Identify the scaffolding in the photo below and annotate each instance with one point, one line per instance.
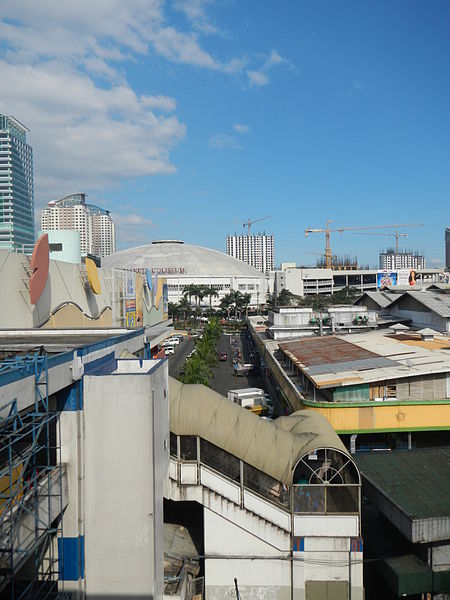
(31, 484)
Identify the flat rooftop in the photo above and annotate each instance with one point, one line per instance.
(55, 341)
(412, 489)
(358, 358)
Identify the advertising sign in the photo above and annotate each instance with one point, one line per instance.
(165, 298)
(386, 279)
(139, 299)
(130, 285)
(130, 313)
(407, 277)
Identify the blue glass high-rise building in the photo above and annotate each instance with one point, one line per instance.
(16, 187)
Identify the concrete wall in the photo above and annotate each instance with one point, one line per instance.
(422, 319)
(126, 464)
(65, 286)
(263, 578)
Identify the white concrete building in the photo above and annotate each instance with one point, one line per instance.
(183, 264)
(97, 230)
(255, 250)
(309, 281)
(279, 502)
(391, 260)
(287, 322)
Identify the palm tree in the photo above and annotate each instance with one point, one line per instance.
(184, 307)
(173, 309)
(246, 299)
(226, 303)
(212, 293)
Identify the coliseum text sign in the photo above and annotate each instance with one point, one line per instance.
(168, 270)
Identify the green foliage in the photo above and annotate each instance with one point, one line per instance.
(199, 366)
(197, 371)
(286, 298)
(319, 301)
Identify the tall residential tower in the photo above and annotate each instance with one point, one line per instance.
(97, 230)
(255, 250)
(16, 187)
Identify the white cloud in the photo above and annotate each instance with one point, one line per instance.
(241, 128)
(222, 141)
(195, 12)
(64, 64)
(134, 220)
(257, 78)
(85, 137)
(260, 77)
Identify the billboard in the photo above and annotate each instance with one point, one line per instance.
(386, 279)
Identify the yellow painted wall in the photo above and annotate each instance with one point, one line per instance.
(69, 316)
(378, 417)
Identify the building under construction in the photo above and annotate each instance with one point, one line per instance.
(339, 263)
(392, 259)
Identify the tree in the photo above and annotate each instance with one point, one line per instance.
(184, 307)
(246, 299)
(173, 309)
(197, 371)
(199, 366)
(212, 293)
(285, 298)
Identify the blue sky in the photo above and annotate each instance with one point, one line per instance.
(186, 118)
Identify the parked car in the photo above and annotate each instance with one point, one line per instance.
(173, 340)
(169, 350)
(223, 356)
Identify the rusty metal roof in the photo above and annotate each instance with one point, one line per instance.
(326, 350)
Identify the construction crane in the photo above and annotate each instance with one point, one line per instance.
(327, 231)
(249, 223)
(396, 235)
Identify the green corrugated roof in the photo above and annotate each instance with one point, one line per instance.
(417, 481)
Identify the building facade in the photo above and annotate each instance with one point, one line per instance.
(16, 187)
(390, 260)
(255, 250)
(185, 264)
(97, 230)
(311, 281)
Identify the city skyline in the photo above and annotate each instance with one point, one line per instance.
(224, 113)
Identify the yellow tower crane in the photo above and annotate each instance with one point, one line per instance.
(328, 231)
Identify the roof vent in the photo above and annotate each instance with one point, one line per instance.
(398, 327)
(427, 334)
(167, 242)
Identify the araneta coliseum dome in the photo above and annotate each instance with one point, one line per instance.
(183, 264)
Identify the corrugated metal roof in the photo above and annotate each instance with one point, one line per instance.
(272, 447)
(383, 299)
(437, 302)
(326, 350)
(330, 361)
(418, 480)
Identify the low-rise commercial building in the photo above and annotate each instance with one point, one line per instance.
(310, 281)
(286, 322)
(372, 382)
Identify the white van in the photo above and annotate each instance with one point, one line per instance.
(169, 350)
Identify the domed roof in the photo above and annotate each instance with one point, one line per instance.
(176, 258)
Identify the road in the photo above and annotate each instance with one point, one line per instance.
(224, 378)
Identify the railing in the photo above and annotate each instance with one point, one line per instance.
(334, 498)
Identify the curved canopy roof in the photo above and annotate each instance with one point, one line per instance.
(272, 447)
(181, 260)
